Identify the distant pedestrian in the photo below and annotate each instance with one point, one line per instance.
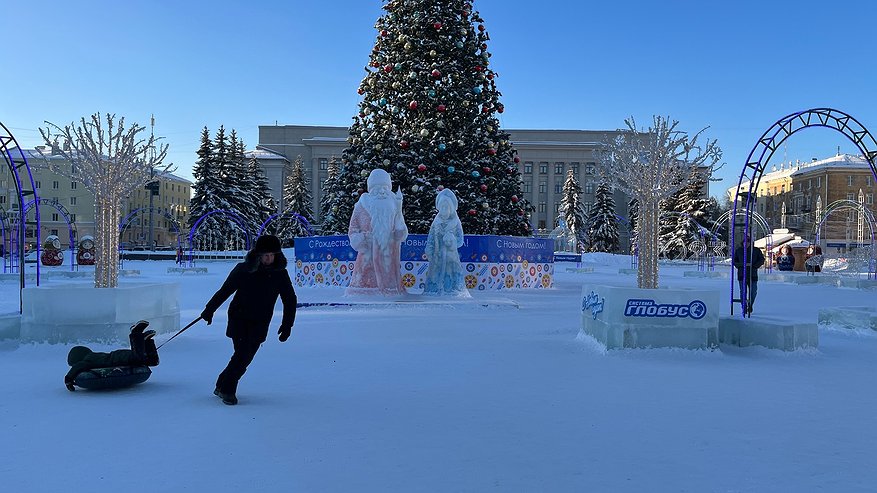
(785, 261)
(256, 283)
(180, 255)
(813, 259)
(747, 275)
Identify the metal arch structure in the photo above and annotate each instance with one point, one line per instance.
(840, 205)
(233, 216)
(71, 225)
(280, 215)
(16, 163)
(126, 221)
(770, 141)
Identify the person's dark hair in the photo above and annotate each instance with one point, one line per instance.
(267, 244)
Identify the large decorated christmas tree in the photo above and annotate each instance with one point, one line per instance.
(428, 117)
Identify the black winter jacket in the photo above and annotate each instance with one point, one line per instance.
(755, 258)
(81, 359)
(255, 288)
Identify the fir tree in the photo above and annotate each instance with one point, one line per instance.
(602, 223)
(296, 199)
(261, 192)
(572, 210)
(694, 209)
(428, 116)
(239, 185)
(328, 207)
(208, 197)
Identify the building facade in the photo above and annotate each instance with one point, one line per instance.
(797, 195)
(545, 156)
(63, 200)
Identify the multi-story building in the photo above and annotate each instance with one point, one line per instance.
(545, 157)
(63, 200)
(805, 190)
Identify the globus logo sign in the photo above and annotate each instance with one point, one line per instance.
(649, 308)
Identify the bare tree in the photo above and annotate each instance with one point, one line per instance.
(111, 161)
(650, 166)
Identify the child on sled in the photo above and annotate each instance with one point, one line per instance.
(142, 353)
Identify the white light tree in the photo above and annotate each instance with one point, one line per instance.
(650, 166)
(111, 161)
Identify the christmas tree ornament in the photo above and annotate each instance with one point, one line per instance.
(483, 187)
(437, 25)
(515, 199)
(382, 102)
(516, 160)
(500, 108)
(421, 167)
(364, 172)
(475, 174)
(440, 124)
(451, 169)
(424, 133)
(485, 205)
(386, 162)
(431, 93)
(476, 89)
(485, 109)
(436, 73)
(408, 46)
(414, 188)
(412, 105)
(398, 66)
(441, 108)
(472, 212)
(412, 75)
(397, 85)
(360, 91)
(388, 68)
(440, 188)
(458, 44)
(384, 33)
(403, 144)
(378, 147)
(441, 147)
(491, 152)
(478, 68)
(481, 27)
(433, 53)
(486, 169)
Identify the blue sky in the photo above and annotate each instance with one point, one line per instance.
(734, 66)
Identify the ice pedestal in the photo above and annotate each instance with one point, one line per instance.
(711, 274)
(625, 317)
(70, 313)
(774, 333)
(849, 317)
(10, 326)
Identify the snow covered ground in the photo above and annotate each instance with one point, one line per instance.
(456, 397)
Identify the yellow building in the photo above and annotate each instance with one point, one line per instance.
(63, 200)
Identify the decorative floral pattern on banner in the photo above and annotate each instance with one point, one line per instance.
(490, 262)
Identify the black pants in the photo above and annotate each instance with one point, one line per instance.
(145, 352)
(245, 347)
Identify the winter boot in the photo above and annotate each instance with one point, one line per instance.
(228, 399)
(139, 326)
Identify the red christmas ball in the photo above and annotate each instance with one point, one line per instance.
(388, 68)
(361, 191)
(483, 188)
(490, 76)
(515, 198)
(481, 27)
(384, 33)
(436, 74)
(421, 167)
(517, 160)
(472, 212)
(437, 25)
(500, 108)
(521, 213)
(360, 91)
(403, 144)
(483, 46)
(486, 169)
(361, 114)
(485, 109)
(441, 107)
(478, 68)
(491, 151)
(412, 105)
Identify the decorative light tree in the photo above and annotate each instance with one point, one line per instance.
(652, 166)
(111, 161)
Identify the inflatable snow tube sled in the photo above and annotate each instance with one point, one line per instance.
(114, 377)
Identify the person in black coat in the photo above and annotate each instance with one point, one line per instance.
(748, 277)
(142, 352)
(256, 283)
(786, 261)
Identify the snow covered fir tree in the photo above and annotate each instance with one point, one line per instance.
(572, 211)
(328, 202)
(225, 180)
(428, 117)
(296, 204)
(602, 222)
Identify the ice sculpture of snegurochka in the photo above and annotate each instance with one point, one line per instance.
(445, 273)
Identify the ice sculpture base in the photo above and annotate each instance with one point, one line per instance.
(626, 317)
(70, 313)
(849, 317)
(773, 333)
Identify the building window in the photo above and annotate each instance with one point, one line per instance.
(542, 186)
(542, 224)
(324, 163)
(55, 185)
(54, 216)
(869, 198)
(543, 206)
(72, 185)
(589, 168)
(558, 187)
(588, 206)
(589, 187)
(543, 168)
(850, 197)
(38, 184)
(73, 218)
(818, 181)
(72, 200)
(528, 167)
(800, 187)
(850, 180)
(2, 199)
(869, 180)
(528, 187)
(54, 232)
(558, 168)
(809, 184)
(556, 208)
(575, 168)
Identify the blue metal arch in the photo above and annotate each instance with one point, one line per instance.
(235, 217)
(772, 139)
(15, 160)
(71, 225)
(126, 221)
(304, 222)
